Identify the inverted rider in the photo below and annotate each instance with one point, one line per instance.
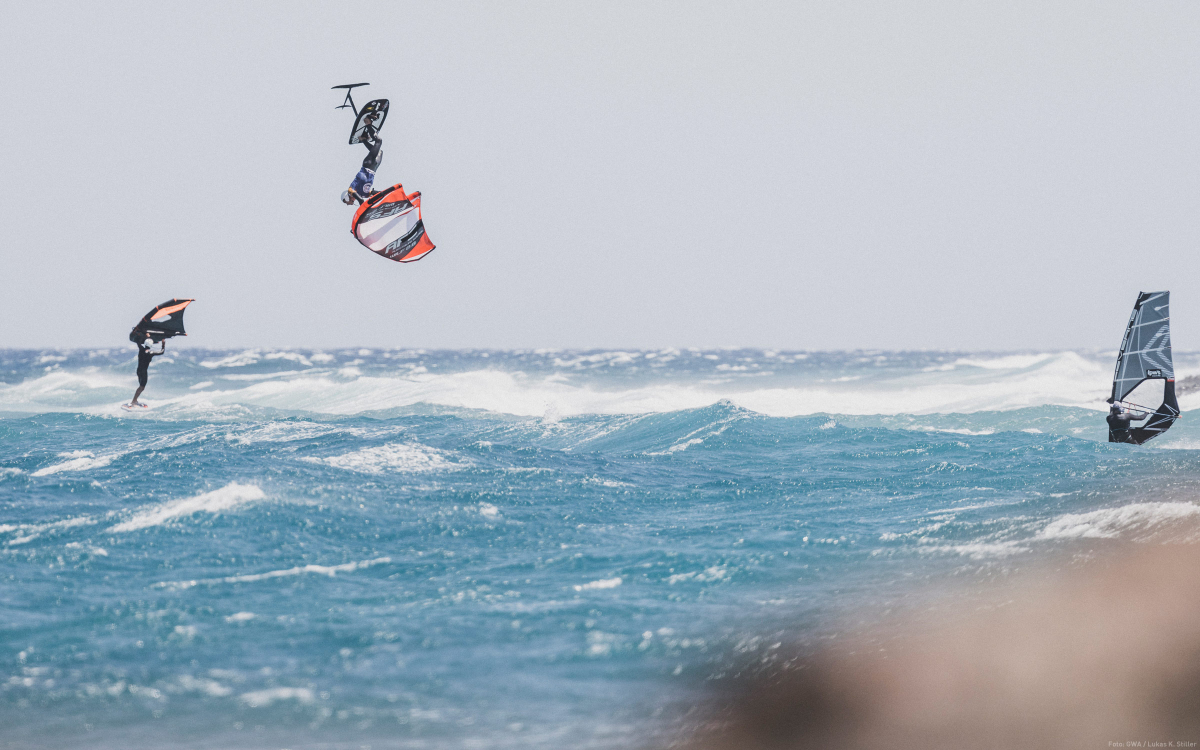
(145, 354)
(360, 188)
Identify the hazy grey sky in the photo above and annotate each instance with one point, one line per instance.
(979, 175)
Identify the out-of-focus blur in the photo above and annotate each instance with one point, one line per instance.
(1094, 655)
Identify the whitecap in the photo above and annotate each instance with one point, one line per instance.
(203, 685)
(79, 461)
(325, 570)
(970, 384)
(687, 441)
(291, 357)
(487, 510)
(30, 531)
(392, 457)
(279, 432)
(271, 695)
(714, 573)
(977, 550)
(1110, 522)
(248, 357)
(604, 583)
(229, 496)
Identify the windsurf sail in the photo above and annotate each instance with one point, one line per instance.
(389, 224)
(1144, 378)
(163, 322)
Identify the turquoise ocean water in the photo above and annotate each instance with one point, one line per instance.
(540, 549)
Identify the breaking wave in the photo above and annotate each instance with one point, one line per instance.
(562, 384)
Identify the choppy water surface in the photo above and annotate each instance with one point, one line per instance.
(509, 549)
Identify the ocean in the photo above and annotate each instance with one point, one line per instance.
(513, 549)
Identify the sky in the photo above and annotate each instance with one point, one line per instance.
(796, 175)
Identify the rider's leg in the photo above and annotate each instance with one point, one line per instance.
(361, 186)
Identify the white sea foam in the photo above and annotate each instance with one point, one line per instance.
(280, 432)
(977, 550)
(969, 384)
(291, 357)
(267, 697)
(325, 570)
(393, 457)
(99, 551)
(715, 573)
(79, 461)
(1003, 362)
(487, 510)
(29, 531)
(604, 583)
(1002, 383)
(203, 685)
(1064, 379)
(248, 357)
(613, 483)
(953, 430)
(60, 389)
(690, 439)
(229, 496)
(1111, 522)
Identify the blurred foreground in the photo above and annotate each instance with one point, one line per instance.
(1102, 655)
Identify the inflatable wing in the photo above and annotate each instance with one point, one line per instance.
(389, 224)
(163, 322)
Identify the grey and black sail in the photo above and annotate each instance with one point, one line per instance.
(1144, 378)
(163, 322)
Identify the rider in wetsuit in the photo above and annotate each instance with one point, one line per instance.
(360, 187)
(143, 368)
(1119, 420)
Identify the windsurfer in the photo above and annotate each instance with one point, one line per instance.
(145, 354)
(1118, 420)
(360, 187)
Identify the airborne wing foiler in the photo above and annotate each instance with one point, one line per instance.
(1144, 377)
(163, 322)
(389, 224)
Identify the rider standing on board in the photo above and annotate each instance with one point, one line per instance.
(143, 368)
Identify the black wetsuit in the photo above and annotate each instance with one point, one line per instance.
(144, 357)
(1118, 429)
(374, 152)
(364, 181)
